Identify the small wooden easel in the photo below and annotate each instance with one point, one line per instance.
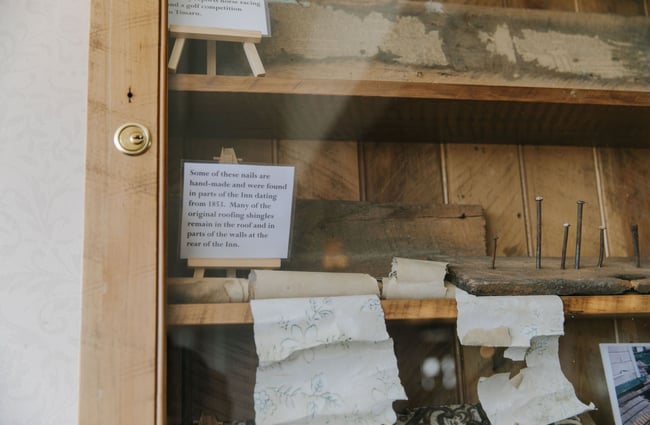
(212, 35)
(231, 265)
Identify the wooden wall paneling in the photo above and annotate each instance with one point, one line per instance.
(563, 175)
(414, 344)
(411, 173)
(489, 175)
(250, 151)
(626, 197)
(582, 364)
(402, 172)
(324, 169)
(218, 369)
(634, 329)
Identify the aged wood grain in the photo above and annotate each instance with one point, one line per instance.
(562, 176)
(324, 170)
(625, 176)
(518, 276)
(364, 237)
(489, 176)
(403, 172)
(121, 353)
(538, 46)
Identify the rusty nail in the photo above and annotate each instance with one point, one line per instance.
(635, 240)
(494, 251)
(601, 251)
(578, 233)
(564, 244)
(538, 253)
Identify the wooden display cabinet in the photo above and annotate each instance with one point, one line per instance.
(359, 125)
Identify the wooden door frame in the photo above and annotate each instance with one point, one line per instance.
(122, 369)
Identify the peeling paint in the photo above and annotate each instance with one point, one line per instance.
(433, 7)
(340, 34)
(500, 42)
(571, 53)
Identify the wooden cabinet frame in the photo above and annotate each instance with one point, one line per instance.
(122, 343)
(123, 318)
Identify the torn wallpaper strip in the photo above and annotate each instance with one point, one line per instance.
(530, 326)
(324, 361)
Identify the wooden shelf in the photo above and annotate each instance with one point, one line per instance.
(437, 309)
(297, 108)
(404, 89)
(355, 81)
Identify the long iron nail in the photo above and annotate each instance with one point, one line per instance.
(635, 240)
(538, 253)
(578, 233)
(494, 251)
(564, 243)
(601, 251)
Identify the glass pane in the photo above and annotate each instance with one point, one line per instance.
(416, 130)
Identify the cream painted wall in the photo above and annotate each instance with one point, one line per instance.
(43, 73)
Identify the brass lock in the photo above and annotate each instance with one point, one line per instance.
(132, 139)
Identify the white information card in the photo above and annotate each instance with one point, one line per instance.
(228, 14)
(236, 211)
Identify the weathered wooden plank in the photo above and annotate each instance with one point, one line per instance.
(489, 176)
(562, 176)
(626, 193)
(324, 170)
(518, 276)
(364, 237)
(497, 44)
(403, 172)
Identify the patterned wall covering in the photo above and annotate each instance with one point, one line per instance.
(43, 73)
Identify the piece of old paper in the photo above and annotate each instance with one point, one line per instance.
(323, 361)
(266, 284)
(416, 279)
(504, 321)
(530, 326)
(540, 394)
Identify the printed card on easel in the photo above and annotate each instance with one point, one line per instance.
(251, 15)
(236, 211)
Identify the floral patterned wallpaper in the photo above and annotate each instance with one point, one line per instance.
(43, 73)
